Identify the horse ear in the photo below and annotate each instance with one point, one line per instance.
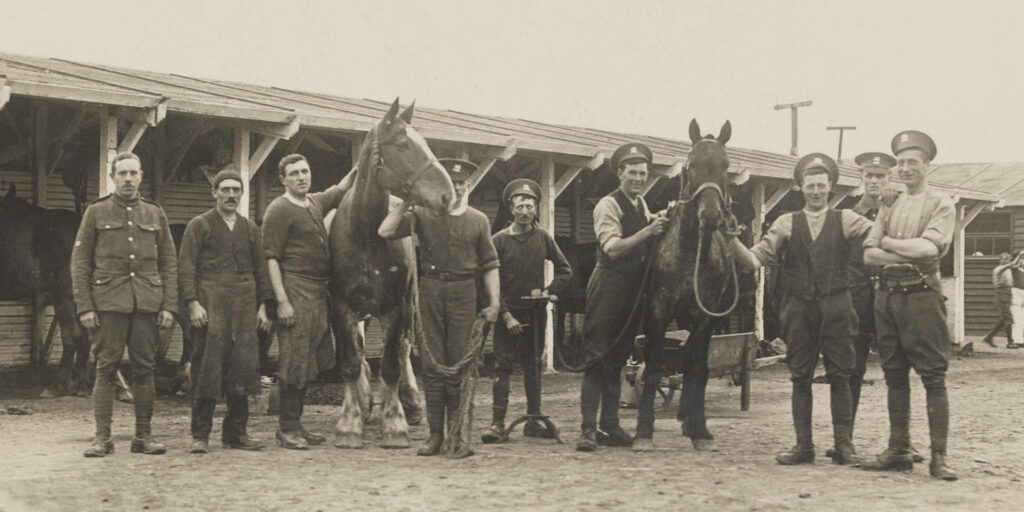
(392, 112)
(725, 134)
(694, 131)
(407, 113)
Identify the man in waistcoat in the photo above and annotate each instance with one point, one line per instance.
(813, 248)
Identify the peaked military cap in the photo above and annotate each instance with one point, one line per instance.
(458, 169)
(816, 161)
(914, 139)
(875, 163)
(521, 187)
(633, 151)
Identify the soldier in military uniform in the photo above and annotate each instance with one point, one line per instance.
(814, 247)
(908, 240)
(224, 285)
(522, 248)
(454, 250)
(125, 278)
(625, 229)
(298, 262)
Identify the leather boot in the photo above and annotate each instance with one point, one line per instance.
(613, 435)
(843, 453)
(803, 403)
(244, 442)
(495, 434)
(499, 396)
(897, 456)
(311, 438)
(292, 440)
(938, 468)
(534, 428)
(146, 444)
(587, 441)
(432, 446)
(100, 447)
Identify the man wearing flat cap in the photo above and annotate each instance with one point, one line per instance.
(813, 247)
(455, 249)
(908, 239)
(224, 286)
(625, 230)
(519, 334)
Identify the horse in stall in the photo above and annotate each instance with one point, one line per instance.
(35, 262)
(373, 277)
(691, 279)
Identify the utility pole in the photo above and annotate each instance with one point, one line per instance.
(839, 156)
(792, 108)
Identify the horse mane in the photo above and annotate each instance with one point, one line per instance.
(369, 198)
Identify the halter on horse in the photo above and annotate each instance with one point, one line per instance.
(371, 276)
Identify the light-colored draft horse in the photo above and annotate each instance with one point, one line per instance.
(373, 277)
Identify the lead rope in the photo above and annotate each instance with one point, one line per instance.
(696, 284)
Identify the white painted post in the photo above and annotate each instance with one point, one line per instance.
(958, 274)
(108, 150)
(240, 157)
(547, 221)
(755, 228)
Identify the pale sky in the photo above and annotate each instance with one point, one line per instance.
(953, 69)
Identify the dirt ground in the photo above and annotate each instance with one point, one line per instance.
(43, 467)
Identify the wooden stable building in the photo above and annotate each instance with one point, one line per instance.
(61, 120)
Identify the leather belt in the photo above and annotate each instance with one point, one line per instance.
(448, 276)
(896, 286)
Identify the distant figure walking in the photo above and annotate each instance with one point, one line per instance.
(1002, 280)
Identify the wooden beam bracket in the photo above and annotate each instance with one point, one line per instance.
(480, 173)
(776, 198)
(970, 215)
(279, 130)
(260, 155)
(565, 180)
(149, 116)
(5, 93)
(132, 137)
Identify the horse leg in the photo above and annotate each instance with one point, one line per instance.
(394, 430)
(348, 431)
(65, 381)
(74, 339)
(408, 390)
(183, 375)
(654, 369)
(695, 380)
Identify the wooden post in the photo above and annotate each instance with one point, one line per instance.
(156, 177)
(958, 274)
(547, 221)
(755, 228)
(108, 150)
(42, 114)
(793, 120)
(240, 158)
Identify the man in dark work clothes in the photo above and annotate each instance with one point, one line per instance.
(624, 228)
(224, 285)
(298, 262)
(813, 247)
(519, 333)
(454, 249)
(909, 239)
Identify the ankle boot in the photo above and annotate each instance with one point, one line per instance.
(802, 403)
(432, 446)
(897, 456)
(587, 441)
(938, 468)
(844, 452)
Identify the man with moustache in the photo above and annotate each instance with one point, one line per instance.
(522, 248)
(625, 229)
(813, 247)
(455, 249)
(224, 285)
(908, 240)
(124, 274)
(298, 262)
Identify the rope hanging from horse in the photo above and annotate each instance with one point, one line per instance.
(729, 230)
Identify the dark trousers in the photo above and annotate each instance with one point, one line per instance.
(863, 298)
(235, 420)
(138, 332)
(292, 402)
(601, 389)
(448, 309)
(1003, 302)
(525, 347)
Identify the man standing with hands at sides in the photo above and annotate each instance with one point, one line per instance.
(298, 263)
(522, 248)
(454, 249)
(225, 287)
(813, 247)
(908, 240)
(625, 231)
(125, 279)
(1002, 282)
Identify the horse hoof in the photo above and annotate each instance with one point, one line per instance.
(48, 393)
(414, 416)
(704, 445)
(395, 441)
(348, 441)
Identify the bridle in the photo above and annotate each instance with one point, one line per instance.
(381, 167)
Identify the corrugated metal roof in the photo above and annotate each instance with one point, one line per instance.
(76, 81)
(1005, 179)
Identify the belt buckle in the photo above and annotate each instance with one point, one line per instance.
(444, 276)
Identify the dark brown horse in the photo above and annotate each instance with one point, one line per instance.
(372, 277)
(691, 280)
(35, 259)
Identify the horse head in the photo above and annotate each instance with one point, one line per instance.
(411, 171)
(706, 176)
